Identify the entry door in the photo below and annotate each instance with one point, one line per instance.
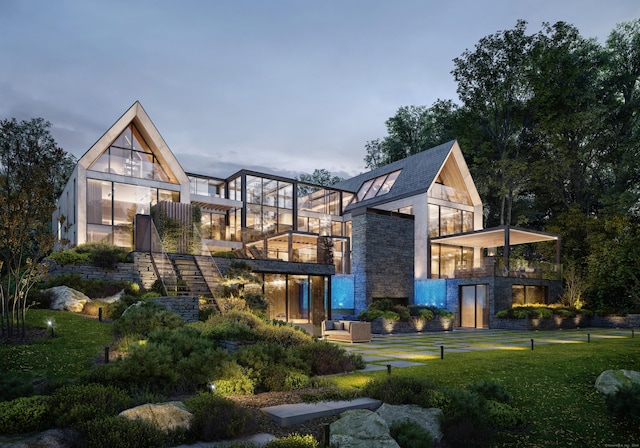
(474, 306)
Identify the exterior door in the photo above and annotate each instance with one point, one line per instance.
(474, 306)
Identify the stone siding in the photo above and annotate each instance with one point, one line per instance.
(383, 252)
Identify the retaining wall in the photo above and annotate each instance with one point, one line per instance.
(557, 322)
(385, 326)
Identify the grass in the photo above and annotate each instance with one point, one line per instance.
(553, 386)
(78, 340)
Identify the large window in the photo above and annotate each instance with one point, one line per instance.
(269, 207)
(378, 186)
(129, 155)
(446, 260)
(528, 295)
(111, 207)
(448, 221)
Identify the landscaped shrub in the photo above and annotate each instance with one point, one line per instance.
(294, 441)
(205, 312)
(491, 390)
(402, 312)
(73, 405)
(504, 416)
(25, 414)
(382, 305)
(103, 255)
(146, 367)
(325, 358)
(625, 402)
(404, 390)
(216, 417)
(426, 314)
(541, 312)
(65, 257)
(234, 379)
(281, 378)
(228, 330)
(465, 420)
(14, 385)
(146, 317)
(112, 431)
(409, 434)
(386, 309)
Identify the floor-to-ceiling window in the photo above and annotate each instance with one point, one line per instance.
(295, 298)
(111, 207)
(474, 306)
(446, 260)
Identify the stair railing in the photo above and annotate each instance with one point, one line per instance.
(162, 264)
(206, 253)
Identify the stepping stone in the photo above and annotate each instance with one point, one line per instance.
(291, 414)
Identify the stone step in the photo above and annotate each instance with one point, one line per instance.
(292, 414)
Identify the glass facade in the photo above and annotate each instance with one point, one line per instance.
(111, 207)
(474, 306)
(129, 155)
(269, 206)
(446, 260)
(445, 221)
(295, 298)
(528, 295)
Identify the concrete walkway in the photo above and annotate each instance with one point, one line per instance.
(417, 349)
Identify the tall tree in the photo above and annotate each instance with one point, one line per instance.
(412, 130)
(621, 82)
(568, 110)
(494, 90)
(30, 164)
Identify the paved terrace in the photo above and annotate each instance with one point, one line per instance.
(415, 349)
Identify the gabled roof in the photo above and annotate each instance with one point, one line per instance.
(419, 172)
(136, 115)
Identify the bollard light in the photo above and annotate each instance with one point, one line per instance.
(531, 344)
(442, 352)
(212, 387)
(50, 325)
(588, 337)
(388, 369)
(106, 354)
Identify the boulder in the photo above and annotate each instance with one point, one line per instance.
(52, 438)
(428, 419)
(111, 299)
(164, 416)
(65, 298)
(361, 428)
(610, 380)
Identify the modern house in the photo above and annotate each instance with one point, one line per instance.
(410, 231)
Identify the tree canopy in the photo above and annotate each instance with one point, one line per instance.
(33, 171)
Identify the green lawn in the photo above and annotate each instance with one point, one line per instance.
(552, 385)
(78, 340)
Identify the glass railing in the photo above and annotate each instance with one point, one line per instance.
(517, 269)
(445, 193)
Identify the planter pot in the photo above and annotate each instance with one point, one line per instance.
(413, 325)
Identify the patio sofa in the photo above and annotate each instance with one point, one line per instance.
(346, 330)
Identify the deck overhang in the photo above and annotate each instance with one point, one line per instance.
(503, 236)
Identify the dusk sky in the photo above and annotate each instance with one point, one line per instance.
(283, 86)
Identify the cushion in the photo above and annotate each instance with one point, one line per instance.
(328, 325)
(347, 325)
(338, 326)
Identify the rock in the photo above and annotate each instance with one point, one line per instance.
(428, 419)
(361, 428)
(111, 299)
(65, 298)
(164, 416)
(52, 438)
(610, 380)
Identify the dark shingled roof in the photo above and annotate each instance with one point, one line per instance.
(418, 173)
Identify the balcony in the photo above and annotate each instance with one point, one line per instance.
(518, 268)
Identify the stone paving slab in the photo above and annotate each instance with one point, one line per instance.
(291, 414)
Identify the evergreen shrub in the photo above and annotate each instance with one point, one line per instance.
(75, 404)
(409, 434)
(217, 418)
(25, 414)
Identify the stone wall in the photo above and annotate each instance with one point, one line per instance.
(385, 326)
(186, 307)
(140, 271)
(558, 322)
(383, 252)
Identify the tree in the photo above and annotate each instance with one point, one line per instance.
(320, 177)
(30, 164)
(493, 87)
(411, 130)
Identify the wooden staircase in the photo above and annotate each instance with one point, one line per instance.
(190, 279)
